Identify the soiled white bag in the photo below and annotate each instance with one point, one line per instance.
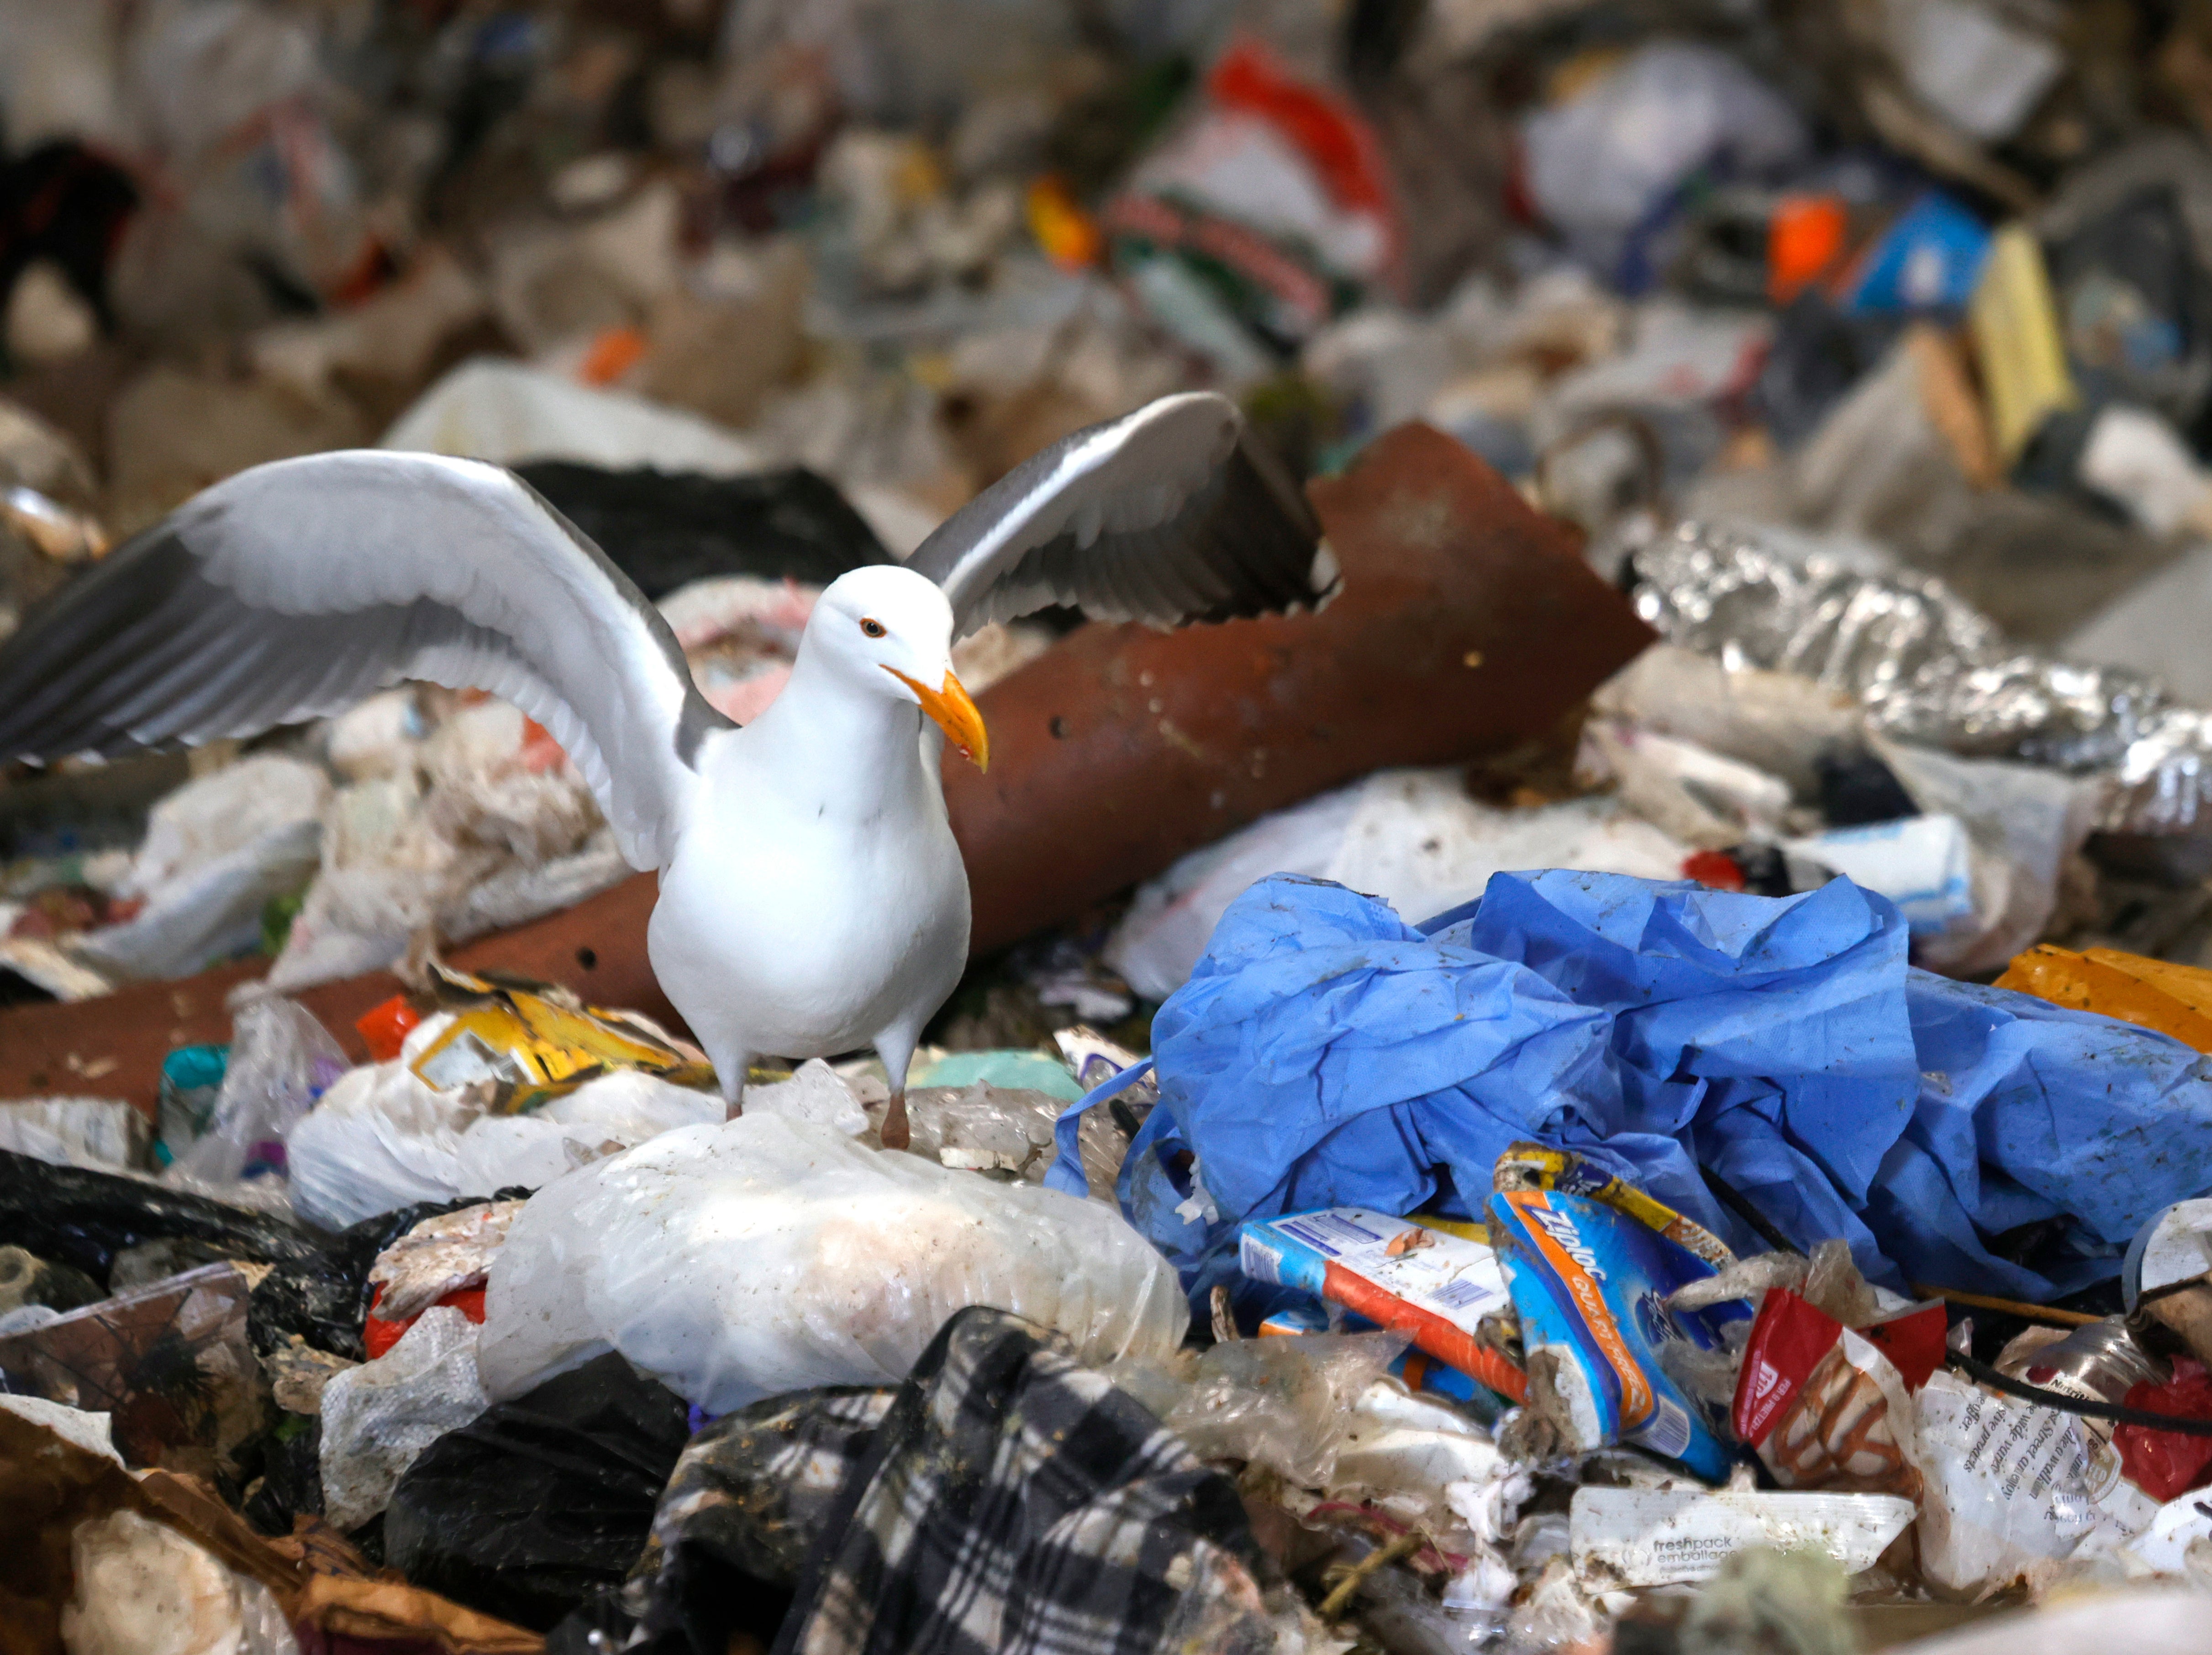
(144, 1589)
(768, 1254)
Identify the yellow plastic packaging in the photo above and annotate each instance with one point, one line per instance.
(530, 1042)
(2016, 341)
(2151, 994)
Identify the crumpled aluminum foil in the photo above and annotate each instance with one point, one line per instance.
(1929, 668)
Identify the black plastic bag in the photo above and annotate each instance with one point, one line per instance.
(1820, 353)
(745, 1504)
(291, 1482)
(664, 529)
(543, 1501)
(753, 1490)
(82, 1219)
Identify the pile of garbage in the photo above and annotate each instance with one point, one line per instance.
(1607, 1257)
(1634, 1081)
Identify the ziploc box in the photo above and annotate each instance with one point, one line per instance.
(1590, 1284)
(1436, 1286)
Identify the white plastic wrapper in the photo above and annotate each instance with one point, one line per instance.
(505, 412)
(1698, 796)
(1776, 722)
(2022, 822)
(101, 1133)
(1421, 1459)
(215, 852)
(1921, 863)
(766, 1255)
(380, 1138)
(2007, 1492)
(1655, 1536)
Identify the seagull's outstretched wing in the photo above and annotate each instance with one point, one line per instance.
(295, 588)
(1170, 514)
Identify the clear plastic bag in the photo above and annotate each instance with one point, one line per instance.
(280, 1061)
(617, 1111)
(767, 1255)
(486, 823)
(172, 1363)
(996, 1130)
(1287, 1403)
(380, 1138)
(1596, 163)
(215, 852)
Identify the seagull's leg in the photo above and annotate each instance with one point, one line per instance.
(730, 1068)
(896, 1047)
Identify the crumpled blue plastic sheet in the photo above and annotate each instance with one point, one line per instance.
(1325, 1052)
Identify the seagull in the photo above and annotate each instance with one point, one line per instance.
(813, 899)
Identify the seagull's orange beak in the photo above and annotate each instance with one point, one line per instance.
(955, 714)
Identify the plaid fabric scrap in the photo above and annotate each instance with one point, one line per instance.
(1012, 1503)
(1002, 1501)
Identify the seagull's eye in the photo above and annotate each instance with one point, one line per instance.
(873, 629)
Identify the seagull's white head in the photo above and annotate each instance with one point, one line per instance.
(889, 631)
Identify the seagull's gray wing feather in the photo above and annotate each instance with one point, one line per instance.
(294, 589)
(1170, 514)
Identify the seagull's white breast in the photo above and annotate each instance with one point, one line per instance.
(810, 906)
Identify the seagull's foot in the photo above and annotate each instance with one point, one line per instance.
(736, 1108)
(895, 1134)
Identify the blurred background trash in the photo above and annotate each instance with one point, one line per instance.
(1767, 452)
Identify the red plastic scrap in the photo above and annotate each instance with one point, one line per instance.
(1715, 869)
(2167, 1464)
(385, 1027)
(1912, 1339)
(1805, 241)
(1327, 129)
(379, 1335)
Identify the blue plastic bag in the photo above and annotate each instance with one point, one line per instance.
(1325, 1053)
